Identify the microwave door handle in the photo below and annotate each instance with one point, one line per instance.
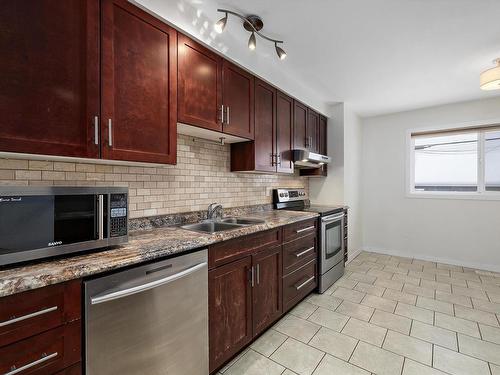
(100, 218)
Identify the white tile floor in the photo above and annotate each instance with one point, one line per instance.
(387, 315)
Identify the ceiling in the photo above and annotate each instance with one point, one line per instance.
(379, 56)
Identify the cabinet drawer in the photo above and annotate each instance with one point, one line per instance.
(300, 229)
(73, 370)
(29, 313)
(299, 252)
(298, 284)
(228, 251)
(45, 353)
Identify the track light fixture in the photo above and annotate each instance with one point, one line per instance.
(253, 24)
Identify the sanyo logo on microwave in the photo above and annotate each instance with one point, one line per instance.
(55, 243)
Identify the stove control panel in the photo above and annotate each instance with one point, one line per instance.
(289, 195)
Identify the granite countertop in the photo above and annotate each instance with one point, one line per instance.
(142, 246)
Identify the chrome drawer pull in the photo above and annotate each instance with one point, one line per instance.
(305, 283)
(305, 229)
(24, 317)
(44, 358)
(298, 255)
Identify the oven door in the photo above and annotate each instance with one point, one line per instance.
(332, 241)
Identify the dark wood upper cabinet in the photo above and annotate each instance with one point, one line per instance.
(238, 101)
(267, 295)
(299, 126)
(199, 85)
(138, 85)
(312, 130)
(284, 133)
(265, 127)
(49, 77)
(271, 149)
(230, 310)
(323, 135)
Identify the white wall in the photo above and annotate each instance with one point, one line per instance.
(342, 185)
(465, 232)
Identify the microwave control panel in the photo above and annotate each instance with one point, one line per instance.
(118, 215)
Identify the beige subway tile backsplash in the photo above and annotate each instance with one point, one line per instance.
(200, 177)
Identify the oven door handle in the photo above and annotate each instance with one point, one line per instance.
(330, 219)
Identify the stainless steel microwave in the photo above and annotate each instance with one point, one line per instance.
(41, 222)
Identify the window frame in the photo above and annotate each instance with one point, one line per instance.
(481, 194)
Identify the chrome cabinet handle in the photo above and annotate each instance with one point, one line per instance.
(27, 316)
(227, 115)
(17, 370)
(110, 132)
(100, 209)
(272, 159)
(222, 113)
(252, 276)
(278, 159)
(96, 130)
(258, 274)
(298, 287)
(298, 255)
(144, 287)
(305, 229)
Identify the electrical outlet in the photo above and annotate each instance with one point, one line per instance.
(269, 191)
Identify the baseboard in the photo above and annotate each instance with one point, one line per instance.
(479, 266)
(352, 254)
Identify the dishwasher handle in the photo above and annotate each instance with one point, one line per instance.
(142, 288)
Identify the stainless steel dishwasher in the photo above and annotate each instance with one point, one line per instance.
(151, 319)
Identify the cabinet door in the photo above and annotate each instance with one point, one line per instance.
(299, 126)
(199, 85)
(267, 294)
(284, 133)
(139, 85)
(49, 77)
(312, 130)
(229, 309)
(265, 127)
(323, 136)
(237, 97)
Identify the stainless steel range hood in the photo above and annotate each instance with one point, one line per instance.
(309, 160)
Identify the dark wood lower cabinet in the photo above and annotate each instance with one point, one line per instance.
(46, 353)
(267, 301)
(230, 310)
(248, 295)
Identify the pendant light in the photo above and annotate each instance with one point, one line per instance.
(252, 24)
(490, 79)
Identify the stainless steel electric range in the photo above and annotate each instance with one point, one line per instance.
(331, 232)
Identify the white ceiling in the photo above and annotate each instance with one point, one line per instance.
(379, 56)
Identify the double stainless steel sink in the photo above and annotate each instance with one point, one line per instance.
(228, 223)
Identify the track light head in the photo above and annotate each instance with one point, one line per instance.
(281, 52)
(252, 42)
(220, 24)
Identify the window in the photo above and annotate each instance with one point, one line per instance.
(465, 162)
